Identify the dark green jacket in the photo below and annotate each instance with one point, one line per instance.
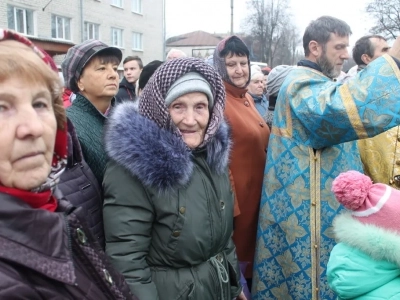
(89, 123)
(168, 212)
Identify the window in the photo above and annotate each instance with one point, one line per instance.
(60, 27)
(118, 3)
(91, 31)
(137, 6)
(116, 37)
(20, 20)
(137, 41)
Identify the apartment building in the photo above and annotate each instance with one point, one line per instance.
(134, 26)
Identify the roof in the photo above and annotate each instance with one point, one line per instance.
(52, 46)
(195, 38)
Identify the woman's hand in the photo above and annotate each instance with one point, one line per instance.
(241, 297)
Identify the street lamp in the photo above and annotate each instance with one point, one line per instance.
(231, 17)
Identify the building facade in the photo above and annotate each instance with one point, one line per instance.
(134, 26)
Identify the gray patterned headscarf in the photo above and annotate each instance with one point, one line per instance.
(152, 100)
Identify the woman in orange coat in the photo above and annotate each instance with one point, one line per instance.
(250, 136)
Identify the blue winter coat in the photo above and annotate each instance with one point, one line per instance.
(354, 274)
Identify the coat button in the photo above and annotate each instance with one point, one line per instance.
(81, 236)
(398, 162)
(247, 103)
(398, 139)
(182, 210)
(222, 205)
(108, 276)
(176, 233)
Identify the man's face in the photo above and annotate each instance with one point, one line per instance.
(132, 71)
(333, 55)
(380, 47)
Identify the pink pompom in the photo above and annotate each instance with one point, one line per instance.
(351, 189)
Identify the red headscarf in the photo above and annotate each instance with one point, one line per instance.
(42, 196)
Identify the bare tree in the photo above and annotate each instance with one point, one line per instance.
(271, 33)
(386, 14)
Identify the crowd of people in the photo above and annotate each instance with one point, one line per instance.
(201, 179)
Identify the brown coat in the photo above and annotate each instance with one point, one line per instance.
(46, 255)
(250, 136)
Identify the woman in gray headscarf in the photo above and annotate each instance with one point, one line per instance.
(275, 80)
(168, 208)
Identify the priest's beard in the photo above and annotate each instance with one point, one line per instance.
(328, 69)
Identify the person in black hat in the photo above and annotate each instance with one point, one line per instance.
(90, 71)
(144, 77)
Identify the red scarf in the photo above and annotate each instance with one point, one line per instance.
(43, 200)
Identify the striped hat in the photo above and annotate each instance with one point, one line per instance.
(78, 56)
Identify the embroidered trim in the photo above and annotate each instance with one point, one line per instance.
(352, 112)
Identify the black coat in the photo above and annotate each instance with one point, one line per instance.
(126, 91)
(52, 255)
(79, 186)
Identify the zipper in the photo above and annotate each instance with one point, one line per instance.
(69, 239)
(208, 206)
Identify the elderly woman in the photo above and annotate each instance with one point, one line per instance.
(275, 79)
(256, 90)
(46, 251)
(250, 139)
(90, 71)
(168, 205)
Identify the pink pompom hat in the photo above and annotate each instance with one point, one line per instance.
(375, 204)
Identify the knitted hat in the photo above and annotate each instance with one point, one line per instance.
(152, 100)
(189, 83)
(78, 56)
(147, 71)
(376, 204)
(255, 71)
(276, 78)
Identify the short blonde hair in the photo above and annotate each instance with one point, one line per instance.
(20, 61)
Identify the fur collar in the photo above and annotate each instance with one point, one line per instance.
(159, 158)
(377, 242)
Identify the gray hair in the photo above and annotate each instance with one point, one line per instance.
(276, 78)
(176, 51)
(320, 31)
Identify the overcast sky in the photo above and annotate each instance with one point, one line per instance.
(183, 16)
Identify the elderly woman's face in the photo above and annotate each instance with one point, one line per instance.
(27, 133)
(99, 80)
(237, 68)
(256, 85)
(190, 114)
